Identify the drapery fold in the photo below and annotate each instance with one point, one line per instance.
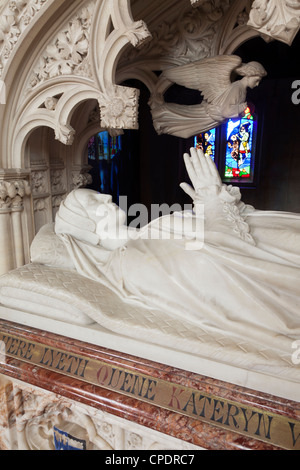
(228, 286)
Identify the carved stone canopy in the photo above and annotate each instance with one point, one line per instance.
(100, 44)
(276, 19)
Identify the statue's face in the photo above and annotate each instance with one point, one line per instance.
(109, 217)
(93, 217)
(254, 81)
(100, 208)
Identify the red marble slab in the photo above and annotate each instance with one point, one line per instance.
(149, 415)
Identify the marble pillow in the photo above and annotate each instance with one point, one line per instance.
(49, 250)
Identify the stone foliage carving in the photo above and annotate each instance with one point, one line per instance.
(15, 18)
(12, 194)
(39, 182)
(58, 180)
(276, 19)
(64, 133)
(189, 38)
(81, 178)
(68, 51)
(138, 34)
(50, 103)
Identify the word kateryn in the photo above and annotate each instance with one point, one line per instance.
(241, 418)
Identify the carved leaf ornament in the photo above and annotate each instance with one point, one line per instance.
(277, 19)
(15, 18)
(68, 51)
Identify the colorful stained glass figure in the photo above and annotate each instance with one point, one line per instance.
(240, 149)
(207, 142)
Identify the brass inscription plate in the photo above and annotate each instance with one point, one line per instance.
(245, 420)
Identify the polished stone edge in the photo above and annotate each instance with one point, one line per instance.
(185, 423)
(155, 418)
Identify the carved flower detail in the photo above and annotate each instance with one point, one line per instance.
(119, 108)
(8, 29)
(16, 5)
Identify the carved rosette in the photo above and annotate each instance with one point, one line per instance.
(119, 108)
(276, 19)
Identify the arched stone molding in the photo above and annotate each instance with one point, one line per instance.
(235, 29)
(58, 117)
(77, 68)
(115, 16)
(58, 55)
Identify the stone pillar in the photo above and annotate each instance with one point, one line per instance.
(13, 189)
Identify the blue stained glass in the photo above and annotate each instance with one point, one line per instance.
(207, 142)
(105, 150)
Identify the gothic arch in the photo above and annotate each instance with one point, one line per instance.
(50, 66)
(75, 68)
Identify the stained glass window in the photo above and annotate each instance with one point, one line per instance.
(232, 147)
(207, 142)
(103, 153)
(92, 148)
(239, 159)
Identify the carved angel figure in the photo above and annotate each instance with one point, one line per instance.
(222, 98)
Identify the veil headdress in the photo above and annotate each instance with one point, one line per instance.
(74, 217)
